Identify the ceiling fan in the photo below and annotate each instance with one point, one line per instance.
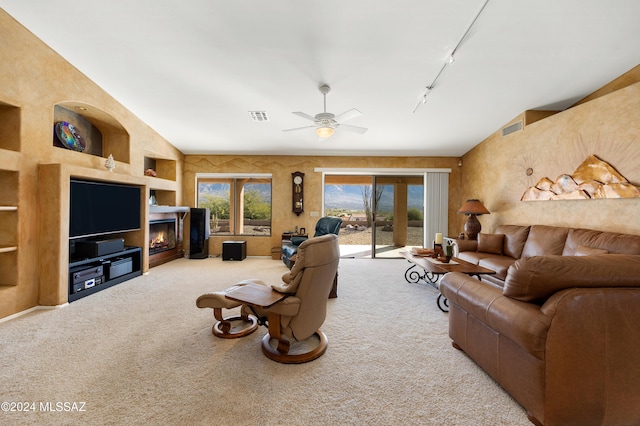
(326, 123)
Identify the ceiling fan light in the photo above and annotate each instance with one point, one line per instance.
(324, 132)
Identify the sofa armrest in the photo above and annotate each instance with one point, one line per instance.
(524, 323)
(595, 331)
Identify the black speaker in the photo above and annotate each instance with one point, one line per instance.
(199, 234)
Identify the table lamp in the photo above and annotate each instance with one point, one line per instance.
(473, 208)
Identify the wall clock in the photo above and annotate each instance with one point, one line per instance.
(297, 180)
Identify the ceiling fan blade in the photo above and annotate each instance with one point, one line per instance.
(298, 128)
(303, 115)
(348, 115)
(355, 129)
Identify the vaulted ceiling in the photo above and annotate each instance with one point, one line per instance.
(194, 69)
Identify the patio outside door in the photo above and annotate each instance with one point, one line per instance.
(397, 205)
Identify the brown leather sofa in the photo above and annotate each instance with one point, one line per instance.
(498, 251)
(562, 333)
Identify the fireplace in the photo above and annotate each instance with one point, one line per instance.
(162, 235)
(165, 233)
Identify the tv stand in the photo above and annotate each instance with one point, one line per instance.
(91, 275)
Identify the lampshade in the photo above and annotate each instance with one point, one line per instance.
(324, 132)
(473, 206)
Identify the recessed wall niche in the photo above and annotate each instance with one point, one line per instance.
(9, 181)
(102, 133)
(9, 127)
(90, 134)
(161, 168)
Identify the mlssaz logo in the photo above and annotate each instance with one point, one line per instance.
(63, 406)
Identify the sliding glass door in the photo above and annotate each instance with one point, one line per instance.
(398, 212)
(349, 197)
(381, 214)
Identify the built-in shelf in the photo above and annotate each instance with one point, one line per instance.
(9, 190)
(9, 225)
(10, 146)
(8, 266)
(163, 168)
(9, 127)
(163, 197)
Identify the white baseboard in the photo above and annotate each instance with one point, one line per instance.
(28, 311)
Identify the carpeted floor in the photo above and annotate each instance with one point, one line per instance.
(142, 353)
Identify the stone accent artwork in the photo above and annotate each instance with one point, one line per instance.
(594, 178)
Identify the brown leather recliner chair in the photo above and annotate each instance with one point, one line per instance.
(299, 315)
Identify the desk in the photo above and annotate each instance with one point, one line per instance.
(433, 270)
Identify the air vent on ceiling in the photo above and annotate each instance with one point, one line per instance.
(512, 128)
(259, 116)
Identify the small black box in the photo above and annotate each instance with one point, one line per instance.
(90, 249)
(234, 250)
(120, 267)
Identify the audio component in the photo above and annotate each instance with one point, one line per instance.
(90, 249)
(119, 267)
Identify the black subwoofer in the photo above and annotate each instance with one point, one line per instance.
(234, 250)
(199, 233)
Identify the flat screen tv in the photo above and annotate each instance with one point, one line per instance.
(99, 208)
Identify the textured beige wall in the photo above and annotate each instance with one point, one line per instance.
(33, 80)
(607, 126)
(281, 168)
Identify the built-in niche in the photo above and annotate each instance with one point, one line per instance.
(91, 135)
(9, 127)
(8, 227)
(160, 168)
(9, 194)
(101, 133)
(159, 197)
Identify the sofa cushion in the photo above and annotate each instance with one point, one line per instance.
(500, 264)
(545, 240)
(514, 238)
(535, 279)
(610, 241)
(473, 256)
(490, 243)
(466, 245)
(589, 251)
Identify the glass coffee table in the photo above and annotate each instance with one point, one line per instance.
(429, 270)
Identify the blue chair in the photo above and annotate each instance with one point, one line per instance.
(326, 225)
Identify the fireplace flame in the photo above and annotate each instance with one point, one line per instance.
(158, 241)
(161, 237)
